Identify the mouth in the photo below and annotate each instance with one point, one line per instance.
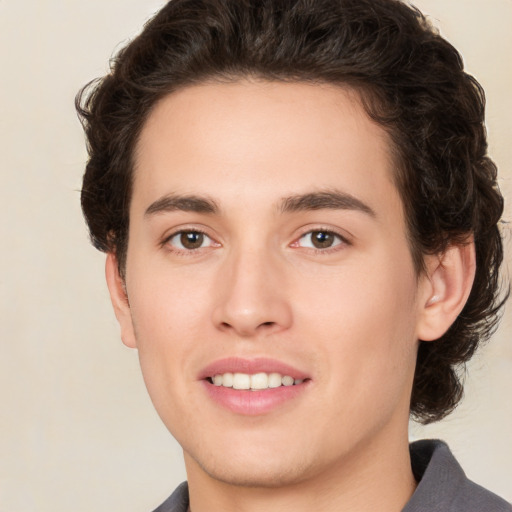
(253, 387)
(253, 382)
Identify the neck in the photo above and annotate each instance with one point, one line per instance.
(375, 476)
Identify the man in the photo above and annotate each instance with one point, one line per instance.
(300, 221)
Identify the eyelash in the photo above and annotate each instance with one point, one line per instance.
(167, 241)
(342, 241)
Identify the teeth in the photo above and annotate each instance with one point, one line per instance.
(241, 381)
(274, 380)
(259, 381)
(256, 381)
(288, 381)
(227, 380)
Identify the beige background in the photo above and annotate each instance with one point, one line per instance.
(77, 431)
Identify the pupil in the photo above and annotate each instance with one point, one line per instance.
(321, 239)
(192, 240)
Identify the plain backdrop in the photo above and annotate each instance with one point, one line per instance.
(77, 430)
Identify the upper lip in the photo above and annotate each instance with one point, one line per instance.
(250, 366)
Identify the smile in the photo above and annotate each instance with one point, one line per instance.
(255, 382)
(252, 387)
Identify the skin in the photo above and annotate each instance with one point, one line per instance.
(349, 315)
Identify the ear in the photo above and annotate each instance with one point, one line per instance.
(119, 298)
(446, 288)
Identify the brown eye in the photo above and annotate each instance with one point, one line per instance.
(320, 240)
(189, 240)
(192, 240)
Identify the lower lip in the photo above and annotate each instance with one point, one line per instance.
(253, 403)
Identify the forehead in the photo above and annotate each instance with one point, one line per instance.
(261, 141)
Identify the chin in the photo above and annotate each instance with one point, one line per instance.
(261, 474)
(253, 468)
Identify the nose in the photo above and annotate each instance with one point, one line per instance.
(252, 295)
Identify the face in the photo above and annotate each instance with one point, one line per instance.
(267, 247)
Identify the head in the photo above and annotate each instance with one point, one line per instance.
(395, 67)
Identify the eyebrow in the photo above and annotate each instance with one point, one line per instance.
(330, 200)
(188, 203)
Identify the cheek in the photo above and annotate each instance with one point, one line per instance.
(166, 304)
(167, 313)
(163, 334)
(377, 292)
(364, 326)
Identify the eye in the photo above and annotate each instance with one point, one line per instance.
(320, 239)
(189, 240)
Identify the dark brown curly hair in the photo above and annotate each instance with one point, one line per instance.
(411, 81)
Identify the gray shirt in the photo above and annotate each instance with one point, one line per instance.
(442, 487)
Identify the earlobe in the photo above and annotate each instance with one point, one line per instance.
(119, 298)
(448, 282)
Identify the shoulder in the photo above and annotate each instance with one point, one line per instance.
(443, 485)
(177, 501)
